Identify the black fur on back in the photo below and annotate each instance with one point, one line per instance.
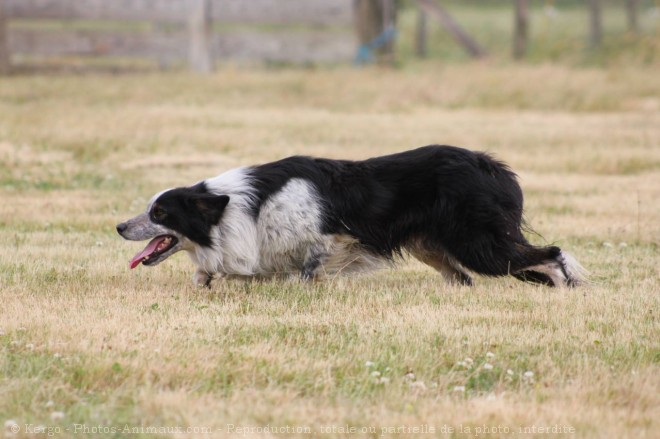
(445, 197)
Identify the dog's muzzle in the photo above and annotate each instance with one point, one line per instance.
(163, 244)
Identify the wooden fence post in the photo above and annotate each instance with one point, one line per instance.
(368, 20)
(200, 34)
(159, 30)
(595, 24)
(389, 14)
(520, 29)
(632, 7)
(5, 58)
(421, 34)
(374, 26)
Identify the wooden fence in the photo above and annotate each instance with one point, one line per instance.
(169, 31)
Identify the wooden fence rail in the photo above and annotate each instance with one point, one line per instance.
(325, 12)
(199, 31)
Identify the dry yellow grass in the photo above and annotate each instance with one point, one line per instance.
(107, 347)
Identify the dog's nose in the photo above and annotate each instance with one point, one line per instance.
(121, 227)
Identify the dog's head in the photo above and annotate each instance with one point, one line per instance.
(176, 219)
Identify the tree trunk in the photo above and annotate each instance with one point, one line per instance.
(632, 7)
(5, 58)
(520, 29)
(199, 27)
(595, 24)
(421, 34)
(389, 14)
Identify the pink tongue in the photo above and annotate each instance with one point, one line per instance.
(149, 249)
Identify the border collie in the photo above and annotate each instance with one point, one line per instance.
(458, 211)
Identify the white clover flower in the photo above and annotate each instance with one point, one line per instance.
(490, 355)
(383, 380)
(57, 355)
(22, 329)
(369, 363)
(461, 364)
(459, 388)
(50, 403)
(469, 360)
(410, 376)
(15, 343)
(529, 374)
(375, 373)
(509, 372)
(29, 346)
(57, 416)
(488, 366)
(10, 424)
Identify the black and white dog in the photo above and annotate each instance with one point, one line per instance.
(456, 210)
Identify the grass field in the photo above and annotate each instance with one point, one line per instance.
(88, 347)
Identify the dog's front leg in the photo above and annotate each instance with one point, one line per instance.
(313, 264)
(308, 271)
(201, 278)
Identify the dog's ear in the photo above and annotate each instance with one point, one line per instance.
(211, 207)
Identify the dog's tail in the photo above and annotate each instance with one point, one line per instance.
(551, 266)
(576, 274)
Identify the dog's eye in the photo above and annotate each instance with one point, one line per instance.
(159, 213)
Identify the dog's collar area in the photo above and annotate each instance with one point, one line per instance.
(155, 248)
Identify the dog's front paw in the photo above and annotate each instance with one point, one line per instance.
(202, 279)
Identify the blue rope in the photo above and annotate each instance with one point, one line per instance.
(365, 52)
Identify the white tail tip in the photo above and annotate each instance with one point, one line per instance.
(576, 274)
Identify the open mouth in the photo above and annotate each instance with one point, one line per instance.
(155, 248)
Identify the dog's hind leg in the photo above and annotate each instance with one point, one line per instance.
(500, 257)
(548, 272)
(542, 265)
(451, 270)
(554, 267)
(533, 277)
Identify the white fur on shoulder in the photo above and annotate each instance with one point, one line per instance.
(236, 249)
